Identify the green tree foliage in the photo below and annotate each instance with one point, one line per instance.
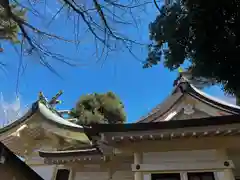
(99, 108)
(8, 27)
(205, 35)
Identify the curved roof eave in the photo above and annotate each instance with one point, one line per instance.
(176, 95)
(21, 120)
(58, 120)
(47, 115)
(65, 153)
(213, 101)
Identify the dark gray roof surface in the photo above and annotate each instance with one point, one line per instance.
(179, 91)
(47, 115)
(162, 108)
(64, 153)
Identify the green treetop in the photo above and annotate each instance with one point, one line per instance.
(203, 35)
(99, 108)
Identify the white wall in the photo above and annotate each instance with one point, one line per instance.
(48, 171)
(91, 176)
(45, 171)
(123, 175)
(191, 157)
(158, 157)
(119, 175)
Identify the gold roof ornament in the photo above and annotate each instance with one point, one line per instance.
(55, 100)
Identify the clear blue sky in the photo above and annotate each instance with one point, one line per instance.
(139, 89)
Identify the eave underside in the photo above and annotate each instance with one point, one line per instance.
(217, 127)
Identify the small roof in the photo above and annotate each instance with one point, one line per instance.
(185, 88)
(64, 153)
(48, 115)
(44, 119)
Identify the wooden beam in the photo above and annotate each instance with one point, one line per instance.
(184, 166)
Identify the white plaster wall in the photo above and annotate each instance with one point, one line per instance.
(45, 171)
(219, 175)
(91, 176)
(119, 175)
(158, 157)
(123, 175)
(182, 156)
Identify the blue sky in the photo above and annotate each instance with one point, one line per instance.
(139, 89)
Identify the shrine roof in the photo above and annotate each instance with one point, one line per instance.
(182, 89)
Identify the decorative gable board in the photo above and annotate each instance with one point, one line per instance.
(189, 99)
(196, 114)
(191, 108)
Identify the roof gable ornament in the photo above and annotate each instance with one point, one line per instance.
(188, 109)
(187, 76)
(53, 102)
(50, 104)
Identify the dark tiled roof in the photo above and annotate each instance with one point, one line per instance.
(179, 91)
(162, 108)
(28, 115)
(64, 153)
(163, 125)
(46, 114)
(212, 101)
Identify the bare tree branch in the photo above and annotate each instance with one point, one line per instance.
(99, 18)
